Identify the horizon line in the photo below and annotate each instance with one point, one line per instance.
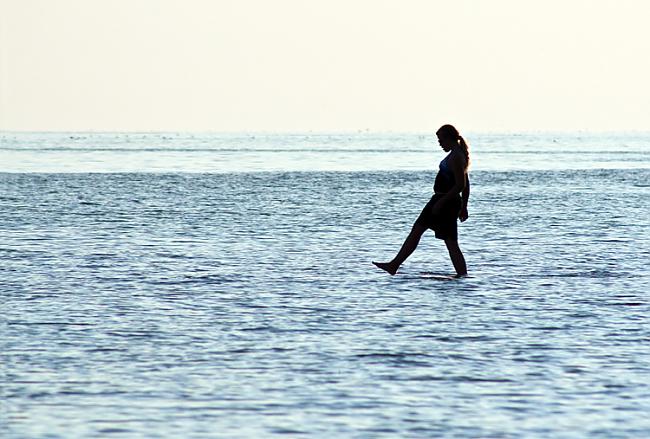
(326, 132)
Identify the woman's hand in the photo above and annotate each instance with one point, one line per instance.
(463, 215)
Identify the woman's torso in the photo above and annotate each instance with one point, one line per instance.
(445, 180)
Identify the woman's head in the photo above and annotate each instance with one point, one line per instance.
(449, 137)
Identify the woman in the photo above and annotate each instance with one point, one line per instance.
(449, 202)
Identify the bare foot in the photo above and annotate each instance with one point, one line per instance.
(386, 266)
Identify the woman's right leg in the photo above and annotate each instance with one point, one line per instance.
(410, 244)
(456, 257)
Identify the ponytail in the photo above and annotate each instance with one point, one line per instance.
(465, 148)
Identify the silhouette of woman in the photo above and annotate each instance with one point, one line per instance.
(449, 203)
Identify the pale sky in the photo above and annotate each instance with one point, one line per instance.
(326, 65)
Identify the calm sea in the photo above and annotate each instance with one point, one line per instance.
(202, 285)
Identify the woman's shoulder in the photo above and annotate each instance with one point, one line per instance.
(457, 157)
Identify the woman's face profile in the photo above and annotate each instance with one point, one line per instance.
(445, 143)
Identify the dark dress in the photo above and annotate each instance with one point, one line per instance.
(444, 224)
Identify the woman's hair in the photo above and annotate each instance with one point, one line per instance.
(450, 132)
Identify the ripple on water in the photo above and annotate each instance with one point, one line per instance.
(183, 305)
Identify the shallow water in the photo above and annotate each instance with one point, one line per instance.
(243, 304)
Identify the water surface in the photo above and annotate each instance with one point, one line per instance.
(222, 287)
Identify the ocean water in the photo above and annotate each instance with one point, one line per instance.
(204, 285)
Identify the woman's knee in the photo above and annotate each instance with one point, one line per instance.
(418, 229)
(452, 244)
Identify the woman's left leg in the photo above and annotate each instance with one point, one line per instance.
(456, 256)
(410, 244)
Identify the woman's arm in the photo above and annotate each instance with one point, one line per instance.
(463, 215)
